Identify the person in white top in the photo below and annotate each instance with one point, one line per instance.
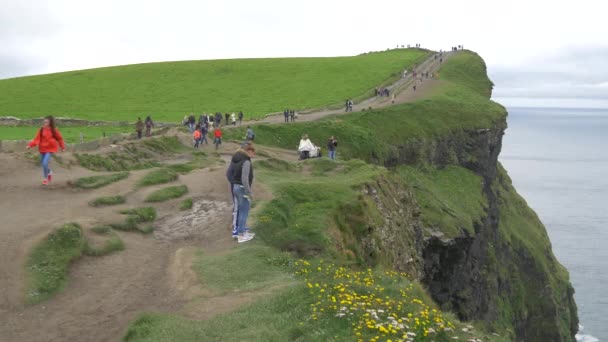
(233, 119)
(305, 147)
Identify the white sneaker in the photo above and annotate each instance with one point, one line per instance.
(245, 237)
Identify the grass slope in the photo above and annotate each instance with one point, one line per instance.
(95, 182)
(171, 89)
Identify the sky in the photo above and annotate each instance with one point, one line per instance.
(539, 53)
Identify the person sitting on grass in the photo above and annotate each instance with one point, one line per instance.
(217, 137)
(241, 180)
(48, 139)
(305, 147)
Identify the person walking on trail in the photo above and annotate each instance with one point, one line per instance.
(332, 145)
(233, 119)
(49, 140)
(191, 122)
(227, 119)
(305, 147)
(197, 136)
(250, 135)
(218, 119)
(204, 131)
(292, 115)
(240, 118)
(217, 137)
(286, 115)
(149, 124)
(139, 128)
(242, 176)
(346, 105)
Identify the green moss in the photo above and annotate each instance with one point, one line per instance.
(47, 265)
(159, 176)
(96, 182)
(135, 217)
(168, 193)
(451, 199)
(113, 244)
(186, 204)
(107, 200)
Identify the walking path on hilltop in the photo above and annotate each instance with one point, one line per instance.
(402, 89)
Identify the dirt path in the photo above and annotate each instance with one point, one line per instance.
(105, 294)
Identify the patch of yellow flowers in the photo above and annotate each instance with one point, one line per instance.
(380, 306)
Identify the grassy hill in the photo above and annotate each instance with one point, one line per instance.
(169, 90)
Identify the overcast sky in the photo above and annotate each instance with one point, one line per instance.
(538, 52)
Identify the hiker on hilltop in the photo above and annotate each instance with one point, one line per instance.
(233, 119)
(48, 139)
(241, 179)
(286, 115)
(292, 115)
(250, 135)
(227, 117)
(305, 147)
(240, 118)
(191, 122)
(204, 132)
(139, 128)
(149, 124)
(217, 136)
(332, 145)
(197, 135)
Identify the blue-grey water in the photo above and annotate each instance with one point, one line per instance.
(558, 160)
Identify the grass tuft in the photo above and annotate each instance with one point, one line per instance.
(160, 176)
(167, 193)
(186, 204)
(113, 244)
(96, 182)
(107, 200)
(134, 218)
(47, 265)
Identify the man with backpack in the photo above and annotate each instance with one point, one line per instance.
(240, 175)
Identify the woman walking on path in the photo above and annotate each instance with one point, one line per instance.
(233, 119)
(48, 141)
(139, 128)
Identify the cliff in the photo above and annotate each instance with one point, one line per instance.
(443, 209)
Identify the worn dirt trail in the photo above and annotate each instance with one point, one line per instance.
(104, 294)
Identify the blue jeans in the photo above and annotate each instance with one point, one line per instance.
(235, 208)
(191, 126)
(243, 208)
(45, 158)
(331, 154)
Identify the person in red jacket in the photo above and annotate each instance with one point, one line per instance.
(48, 141)
(217, 134)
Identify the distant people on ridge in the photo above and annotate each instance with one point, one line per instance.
(139, 128)
(149, 124)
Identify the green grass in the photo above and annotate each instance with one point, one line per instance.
(451, 199)
(102, 229)
(107, 200)
(159, 176)
(186, 204)
(48, 263)
(284, 310)
(112, 244)
(134, 220)
(304, 207)
(70, 134)
(373, 135)
(167, 193)
(169, 90)
(132, 156)
(95, 182)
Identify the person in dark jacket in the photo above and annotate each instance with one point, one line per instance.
(241, 170)
(240, 118)
(139, 128)
(191, 122)
(227, 117)
(332, 145)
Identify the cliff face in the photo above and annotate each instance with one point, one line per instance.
(499, 270)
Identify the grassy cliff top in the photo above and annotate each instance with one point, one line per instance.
(460, 101)
(170, 90)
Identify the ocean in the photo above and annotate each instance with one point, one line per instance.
(558, 160)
